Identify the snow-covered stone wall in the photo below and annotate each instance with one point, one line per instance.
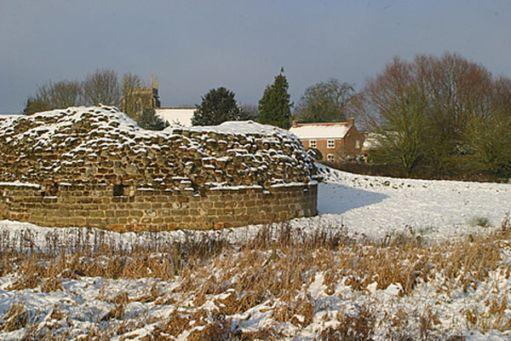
(93, 166)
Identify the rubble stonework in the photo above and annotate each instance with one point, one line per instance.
(93, 166)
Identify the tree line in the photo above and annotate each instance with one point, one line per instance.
(102, 87)
(219, 105)
(322, 102)
(439, 117)
(432, 116)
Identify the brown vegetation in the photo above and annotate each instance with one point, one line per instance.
(440, 117)
(273, 272)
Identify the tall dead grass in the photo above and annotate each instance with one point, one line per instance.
(275, 261)
(276, 266)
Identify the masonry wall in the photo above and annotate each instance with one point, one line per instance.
(345, 146)
(350, 142)
(155, 210)
(65, 167)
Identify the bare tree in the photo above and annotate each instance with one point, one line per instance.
(502, 96)
(403, 134)
(65, 94)
(488, 135)
(102, 86)
(449, 92)
(35, 105)
(57, 95)
(325, 102)
(130, 84)
(457, 90)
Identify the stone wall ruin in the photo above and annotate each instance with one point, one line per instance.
(94, 167)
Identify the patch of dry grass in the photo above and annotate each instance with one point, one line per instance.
(274, 270)
(15, 318)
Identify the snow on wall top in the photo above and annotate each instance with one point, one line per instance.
(176, 116)
(103, 145)
(7, 117)
(243, 128)
(321, 130)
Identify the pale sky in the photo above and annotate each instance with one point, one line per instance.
(193, 46)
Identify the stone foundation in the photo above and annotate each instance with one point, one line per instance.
(138, 209)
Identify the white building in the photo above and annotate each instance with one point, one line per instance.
(176, 116)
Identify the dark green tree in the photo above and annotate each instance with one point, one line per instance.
(150, 121)
(275, 105)
(217, 106)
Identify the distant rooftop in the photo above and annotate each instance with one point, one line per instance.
(180, 116)
(321, 130)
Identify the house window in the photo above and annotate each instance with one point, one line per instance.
(312, 144)
(330, 157)
(330, 144)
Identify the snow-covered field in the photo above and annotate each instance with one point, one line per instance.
(377, 206)
(367, 209)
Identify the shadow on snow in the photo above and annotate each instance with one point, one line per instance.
(337, 199)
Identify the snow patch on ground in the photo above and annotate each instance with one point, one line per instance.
(378, 206)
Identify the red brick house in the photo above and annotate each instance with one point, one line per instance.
(335, 140)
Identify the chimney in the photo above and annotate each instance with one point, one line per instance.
(351, 121)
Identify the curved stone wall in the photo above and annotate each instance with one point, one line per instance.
(94, 167)
(155, 210)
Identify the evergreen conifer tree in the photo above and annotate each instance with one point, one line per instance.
(275, 105)
(150, 121)
(217, 106)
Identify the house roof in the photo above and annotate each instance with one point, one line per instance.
(321, 130)
(176, 116)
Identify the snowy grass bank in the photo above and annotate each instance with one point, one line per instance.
(327, 287)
